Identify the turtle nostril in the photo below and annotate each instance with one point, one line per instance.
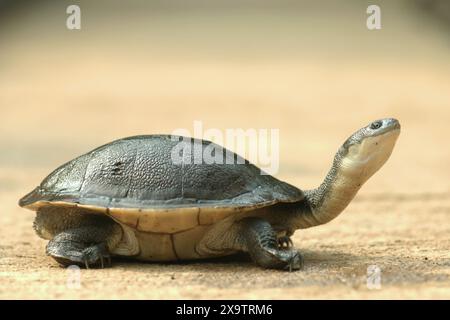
(375, 125)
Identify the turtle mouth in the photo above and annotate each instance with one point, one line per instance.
(30, 198)
(388, 125)
(372, 152)
(369, 148)
(374, 131)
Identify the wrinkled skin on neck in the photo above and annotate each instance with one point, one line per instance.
(362, 154)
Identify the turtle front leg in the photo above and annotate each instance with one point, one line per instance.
(260, 241)
(84, 246)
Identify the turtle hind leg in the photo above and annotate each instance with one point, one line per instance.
(259, 239)
(84, 246)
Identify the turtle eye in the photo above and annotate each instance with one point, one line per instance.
(375, 125)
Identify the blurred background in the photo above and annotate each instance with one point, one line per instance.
(311, 69)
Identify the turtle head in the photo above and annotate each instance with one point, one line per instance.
(361, 155)
(365, 151)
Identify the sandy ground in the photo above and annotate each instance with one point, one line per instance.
(58, 101)
(396, 234)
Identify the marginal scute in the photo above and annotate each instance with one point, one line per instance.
(63, 204)
(92, 208)
(128, 217)
(44, 203)
(168, 221)
(208, 216)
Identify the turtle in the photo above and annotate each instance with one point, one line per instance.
(155, 198)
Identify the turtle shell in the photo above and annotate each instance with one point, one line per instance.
(161, 183)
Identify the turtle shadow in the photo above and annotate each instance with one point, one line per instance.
(332, 257)
(226, 261)
(313, 259)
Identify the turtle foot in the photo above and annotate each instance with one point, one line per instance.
(295, 262)
(93, 256)
(268, 251)
(68, 253)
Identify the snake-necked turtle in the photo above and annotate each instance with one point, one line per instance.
(130, 198)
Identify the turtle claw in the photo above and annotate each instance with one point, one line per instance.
(285, 242)
(95, 255)
(295, 263)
